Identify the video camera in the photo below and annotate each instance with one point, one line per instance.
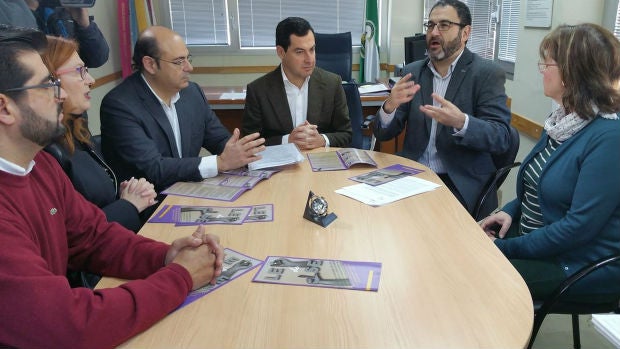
(67, 3)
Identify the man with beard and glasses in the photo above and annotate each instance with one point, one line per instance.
(453, 107)
(46, 226)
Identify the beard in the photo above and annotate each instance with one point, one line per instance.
(447, 49)
(38, 129)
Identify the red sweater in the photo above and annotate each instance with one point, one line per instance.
(45, 226)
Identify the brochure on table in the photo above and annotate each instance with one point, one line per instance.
(340, 159)
(331, 273)
(195, 215)
(387, 174)
(235, 264)
(227, 186)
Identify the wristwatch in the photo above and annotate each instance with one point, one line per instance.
(318, 205)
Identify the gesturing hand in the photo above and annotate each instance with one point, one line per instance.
(402, 92)
(240, 152)
(447, 114)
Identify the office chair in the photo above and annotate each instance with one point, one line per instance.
(334, 53)
(358, 123)
(503, 163)
(575, 305)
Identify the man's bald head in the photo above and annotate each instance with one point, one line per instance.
(151, 42)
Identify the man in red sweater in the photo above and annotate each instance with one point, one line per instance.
(46, 226)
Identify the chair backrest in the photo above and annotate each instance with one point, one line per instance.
(507, 158)
(334, 53)
(354, 103)
(504, 162)
(556, 304)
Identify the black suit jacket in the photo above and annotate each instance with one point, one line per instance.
(267, 111)
(92, 178)
(137, 139)
(477, 89)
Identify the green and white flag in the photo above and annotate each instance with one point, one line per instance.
(369, 53)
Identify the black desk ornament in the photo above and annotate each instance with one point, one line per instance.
(316, 210)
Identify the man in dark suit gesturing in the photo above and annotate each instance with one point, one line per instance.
(155, 122)
(453, 106)
(298, 102)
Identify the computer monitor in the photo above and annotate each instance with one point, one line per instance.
(415, 48)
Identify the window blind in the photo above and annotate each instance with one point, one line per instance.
(201, 22)
(258, 18)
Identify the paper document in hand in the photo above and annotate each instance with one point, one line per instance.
(276, 156)
(388, 192)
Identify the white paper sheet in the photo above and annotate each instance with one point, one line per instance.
(277, 155)
(388, 192)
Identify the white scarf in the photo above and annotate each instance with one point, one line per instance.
(561, 127)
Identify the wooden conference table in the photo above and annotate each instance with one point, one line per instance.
(443, 282)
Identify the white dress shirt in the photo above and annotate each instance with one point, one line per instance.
(297, 103)
(208, 164)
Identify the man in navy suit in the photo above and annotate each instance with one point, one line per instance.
(453, 107)
(298, 102)
(154, 123)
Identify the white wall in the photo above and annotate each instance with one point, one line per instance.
(406, 19)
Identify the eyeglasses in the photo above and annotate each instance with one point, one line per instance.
(53, 82)
(543, 66)
(442, 25)
(82, 70)
(179, 61)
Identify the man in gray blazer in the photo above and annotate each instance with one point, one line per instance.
(453, 107)
(154, 123)
(297, 102)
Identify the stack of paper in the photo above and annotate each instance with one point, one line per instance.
(276, 156)
(609, 326)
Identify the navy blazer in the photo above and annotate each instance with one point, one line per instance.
(267, 110)
(477, 89)
(137, 139)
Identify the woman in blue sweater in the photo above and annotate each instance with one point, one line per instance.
(567, 211)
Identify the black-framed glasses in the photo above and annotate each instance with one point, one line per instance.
(179, 61)
(53, 82)
(542, 66)
(82, 70)
(442, 26)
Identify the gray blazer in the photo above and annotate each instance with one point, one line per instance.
(267, 111)
(137, 139)
(477, 88)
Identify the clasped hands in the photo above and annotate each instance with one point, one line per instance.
(140, 192)
(306, 136)
(405, 89)
(200, 254)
